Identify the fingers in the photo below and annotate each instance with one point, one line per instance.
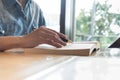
(60, 34)
(53, 43)
(46, 30)
(53, 32)
(50, 42)
(51, 37)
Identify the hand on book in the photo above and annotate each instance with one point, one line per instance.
(45, 35)
(81, 49)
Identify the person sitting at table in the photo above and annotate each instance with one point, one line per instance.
(22, 25)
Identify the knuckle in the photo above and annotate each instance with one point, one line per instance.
(41, 28)
(53, 37)
(50, 41)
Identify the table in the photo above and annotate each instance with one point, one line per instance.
(104, 66)
(83, 68)
(19, 66)
(31, 66)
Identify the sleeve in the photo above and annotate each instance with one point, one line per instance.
(42, 21)
(39, 18)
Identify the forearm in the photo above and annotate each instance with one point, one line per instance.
(11, 42)
(39, 36)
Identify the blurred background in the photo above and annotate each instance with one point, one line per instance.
(85, 20)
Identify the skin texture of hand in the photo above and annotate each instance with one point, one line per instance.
(44, 35)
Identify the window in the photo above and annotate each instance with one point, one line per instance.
(96, 20)
(86, 20)
(51, 11)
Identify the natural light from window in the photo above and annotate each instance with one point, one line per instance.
(97, 20)
(51, 11)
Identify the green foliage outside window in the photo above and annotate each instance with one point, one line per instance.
(96, 25)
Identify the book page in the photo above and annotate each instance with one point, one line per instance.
(69, 46)
(77, 46)
(80, 49)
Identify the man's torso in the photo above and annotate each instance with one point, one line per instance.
(14, 20)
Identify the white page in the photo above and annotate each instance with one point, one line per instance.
(68, 46)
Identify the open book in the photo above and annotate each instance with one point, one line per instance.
(80, 49)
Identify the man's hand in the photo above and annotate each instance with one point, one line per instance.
(44, 35)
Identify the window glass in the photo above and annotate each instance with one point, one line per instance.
(51, 11)
(97, 20)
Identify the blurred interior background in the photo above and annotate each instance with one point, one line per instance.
(85, 20)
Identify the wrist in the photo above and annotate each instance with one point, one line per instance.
(9, 42)
(28, 42)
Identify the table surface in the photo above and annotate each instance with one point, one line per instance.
(29, 66)
(18, 66)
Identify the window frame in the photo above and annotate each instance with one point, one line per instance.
(69, 29)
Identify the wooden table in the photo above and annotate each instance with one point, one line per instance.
(84, 68)
(104, 66)
(31, 66)
(19, 66)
